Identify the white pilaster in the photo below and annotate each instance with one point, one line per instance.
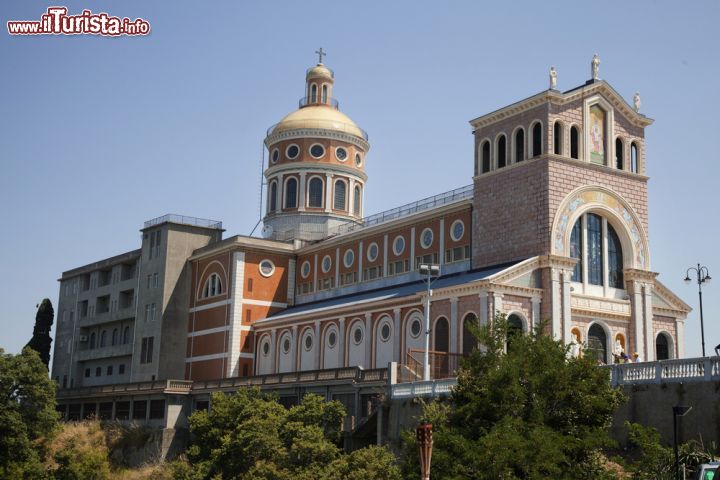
(556, 304)
(301, 195)
(535, 311)
(369, 340)
(341, 341)
(273, 351)
(294, 350)
(385, 256)
(497, 304)
(337, 267)
(351, 197)
(566, 307)
(396, 335)
(328, 191)
(637, 314)
(649, 330)
(317, 344)
(279, 193)
(441, 254)
(291, 282)
(454, 325)
(236, 297)
(680, 340)
(360, 258)
(483, 295)
(412, 249)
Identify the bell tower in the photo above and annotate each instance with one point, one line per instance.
(316, 170)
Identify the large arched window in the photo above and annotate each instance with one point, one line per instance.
(273, 196)
(103, 338)
(469, 343)
(442, 335)
(315, 193)
(92, 340)
(593, 240)
(357, 200)
(574, 142)
(619, 154)
(634, 157)
(537, 139)
(126, 335)
(485, 157)
(340, 196)
(662, 347)
(114, 339)
(213, 286)
(501, 152)
(597, 343)
(291, 193)
(519, 145)
(557, 138)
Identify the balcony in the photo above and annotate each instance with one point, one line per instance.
(184, 220)
(106, 317)
(104, 352)
(305, 101)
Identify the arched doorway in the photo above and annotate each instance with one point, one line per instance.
(442, 335)
(516, 326)
(662, 347)
(597, 343)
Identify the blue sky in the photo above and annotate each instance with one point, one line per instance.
(100, 134)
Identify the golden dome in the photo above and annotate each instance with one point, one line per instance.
(319, 116)
(319, 70)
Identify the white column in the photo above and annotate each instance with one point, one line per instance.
(273, 351)
(279, 193)
(497, 304)
(318, 344)
(360, 257)
(441, 253)
(341, 342)
(566, 307)
(328, 191)
(294, 350)
(236, 297)
(351, 197)
(301, 195)
(535, 311)
(556, 305)
(396, 335)
(649, 330)
(637, 313)
(369, 340)
(453, 347)
(412, 249)
(337, 267)
(680, 337)
(385, 256)
(483, 316)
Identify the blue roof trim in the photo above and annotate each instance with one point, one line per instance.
(399, 291)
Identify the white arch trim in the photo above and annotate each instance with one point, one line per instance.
(609, 342)
(671, 343)
(616, 210)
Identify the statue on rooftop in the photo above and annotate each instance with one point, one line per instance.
(636, 102)
(553, 78)
(595, 67)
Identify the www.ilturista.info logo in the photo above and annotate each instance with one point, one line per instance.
(57, 22)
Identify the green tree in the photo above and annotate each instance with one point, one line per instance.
(28, 418)
(522, 410)
(249, 435)
(41, 341)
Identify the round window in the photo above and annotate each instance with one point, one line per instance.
(305, 269)
(292, 152)
(358, 159)
(308, 343)
(275, 155)
(415, 328)
(385, 332)
(426, 238)
(341, 154)
(317, 150)
(267, 268)
(398, 245)
(349, 258)
(326, 264)
(332, 339)
(286, 345)
(266, 348)
(457, 230)
(357, 335)
(372, 252)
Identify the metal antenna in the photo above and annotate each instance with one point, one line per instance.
(262, 184)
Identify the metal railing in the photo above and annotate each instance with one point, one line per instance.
(442, 365)
(445, 198)
(184, 220)
(305, 101)
(157, 386)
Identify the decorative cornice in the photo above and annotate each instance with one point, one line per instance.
(668, 295)
(244, 243)
(634, 274)
(317, 133)
(315, 167)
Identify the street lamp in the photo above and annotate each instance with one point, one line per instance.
(703, 276)
(431, 271)
(678, 411)
(425, 443)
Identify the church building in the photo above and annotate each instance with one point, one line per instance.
(326, 287)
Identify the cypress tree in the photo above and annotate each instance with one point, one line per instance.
(40, 341)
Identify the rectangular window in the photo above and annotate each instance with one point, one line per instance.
(157, 409)
(595, 249)
(348, 278)
(156, 280)
(396, 268)
(250, 284)
(326, 283)
(122, 410)
(152, 312)
(109, 370)
(139, 409)
(98, 371)
(430, 258)
(157, 244)
(121, 369)
(87, 373)
(152, 246)
(304, 288)
(457, 254)
(149, 280)
(146, 350)
(372, 273)
(147, 312)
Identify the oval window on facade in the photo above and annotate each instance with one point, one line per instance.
(358, 159)
(267, 268)
(275, 155)
(266, 348)
(305, 269)
(457, 230)
(341, 154)
(308, 342)
(372, 252)
(426, 238)
(332, 339)
(349, 258)
(398, 245)
(292, 151)
(415, 328)
(326, 264)
(385, 332)
(317, 151)
(286, 345)
(357, 335)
